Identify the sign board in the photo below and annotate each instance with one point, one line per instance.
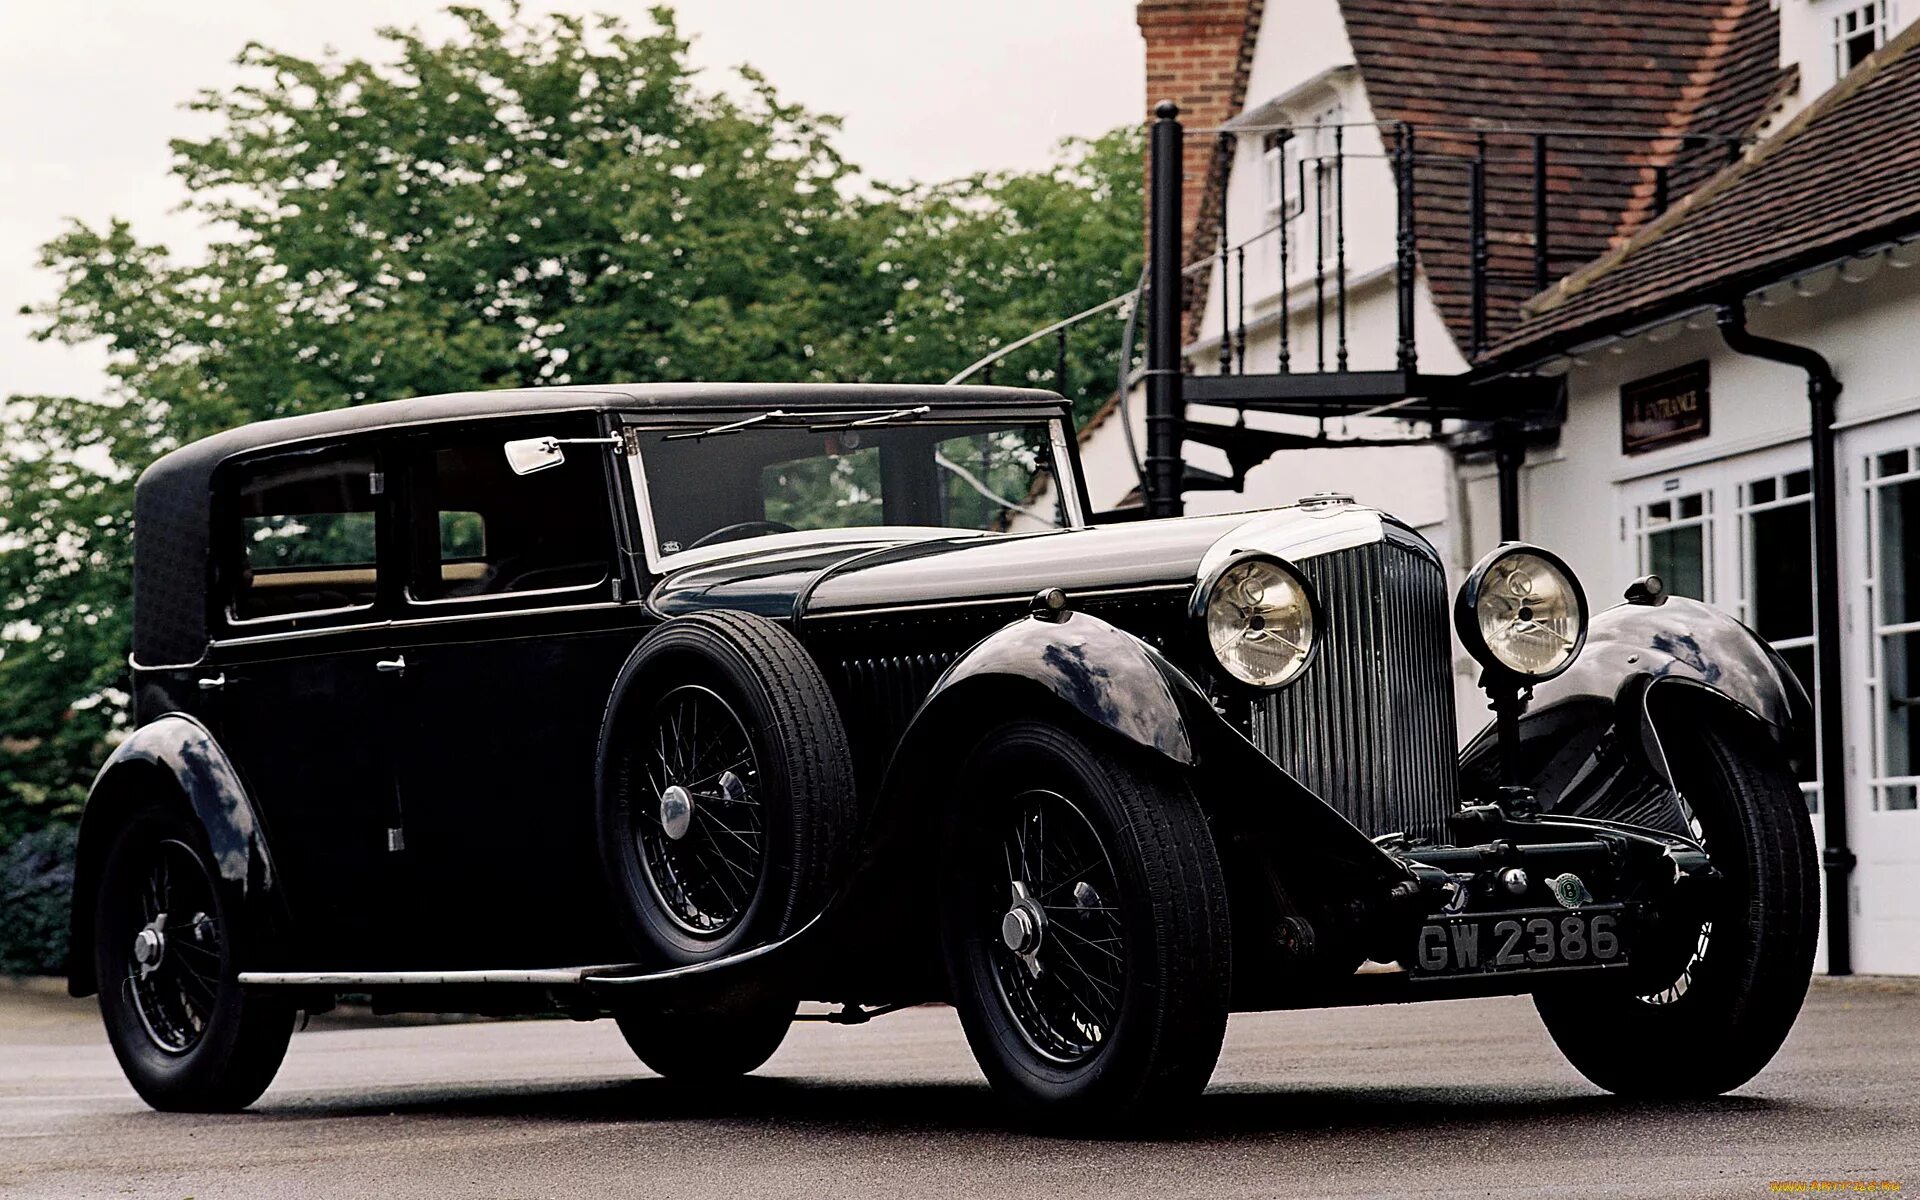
(1665, 409)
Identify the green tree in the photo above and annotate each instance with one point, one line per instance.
(528, 201)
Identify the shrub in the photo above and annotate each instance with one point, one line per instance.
(36, 888)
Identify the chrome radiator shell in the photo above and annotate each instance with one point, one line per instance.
(1370, 725)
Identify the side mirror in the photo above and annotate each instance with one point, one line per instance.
(528, 455)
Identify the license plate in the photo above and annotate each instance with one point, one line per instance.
(1530, 940)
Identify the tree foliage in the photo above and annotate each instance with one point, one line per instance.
(529, 201)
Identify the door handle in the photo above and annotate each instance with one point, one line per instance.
(392, 666)
(213, 683)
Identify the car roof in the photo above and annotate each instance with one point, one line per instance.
(197, 458)
(171, 497)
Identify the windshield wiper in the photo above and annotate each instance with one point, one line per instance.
(876, 419)
(860, 417)
(730, 427)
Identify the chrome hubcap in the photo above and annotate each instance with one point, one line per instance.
(676, 812)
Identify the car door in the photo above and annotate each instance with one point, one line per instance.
(304, 684)
(512, 630)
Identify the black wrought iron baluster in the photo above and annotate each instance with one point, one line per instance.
(986, 374)
(1477, 202)
(1286, 291)
(1223, 153)
(1340, 240)
(1540, 267)
(1319, 261)
(1404, 160)
(1240, 335)
(1060, 362)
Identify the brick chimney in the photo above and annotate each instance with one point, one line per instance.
(1198, 55)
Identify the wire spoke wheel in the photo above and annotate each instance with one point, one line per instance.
(1697, 956)
(698, 823)
(1059, 949)
(173, 974)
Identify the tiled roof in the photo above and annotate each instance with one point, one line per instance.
(1628, 86)
(1841, 176)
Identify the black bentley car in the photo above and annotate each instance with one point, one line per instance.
(686, 704)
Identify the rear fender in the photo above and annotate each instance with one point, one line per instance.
(172, 760)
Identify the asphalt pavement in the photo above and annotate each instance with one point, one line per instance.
(1466, 1098)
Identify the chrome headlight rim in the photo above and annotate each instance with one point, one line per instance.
(1466, 621)
(1201, 600)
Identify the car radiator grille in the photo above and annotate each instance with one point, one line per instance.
(1370, 725)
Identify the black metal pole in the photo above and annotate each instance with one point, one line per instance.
(1165, 408)
(1509, 452)
(1823, 390)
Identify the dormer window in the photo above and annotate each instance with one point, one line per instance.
(1858, 32)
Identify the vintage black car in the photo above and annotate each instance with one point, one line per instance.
(686, 704)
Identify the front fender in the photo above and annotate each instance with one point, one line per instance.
(1647, 672)
(171, 760)
(1114, 682)
(1104, 674)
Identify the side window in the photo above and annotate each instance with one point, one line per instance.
(479, 530)
(308, 533)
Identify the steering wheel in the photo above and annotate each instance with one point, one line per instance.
(728, 533)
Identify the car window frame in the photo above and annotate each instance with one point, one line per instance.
(1060, 433)
(228, 545)
(412, 445)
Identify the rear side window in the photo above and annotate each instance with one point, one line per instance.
(481, 531)
(308, 536)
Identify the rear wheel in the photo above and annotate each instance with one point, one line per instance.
(186, 1035)
(1084, 921)
(1730, 983)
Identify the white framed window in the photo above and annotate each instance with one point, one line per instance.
(1674, 540)
(1859, 30)
(1774, 527)
(1892, 483)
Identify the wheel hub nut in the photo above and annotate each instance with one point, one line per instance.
(1020, 930)
(149, 945)
(676, 811)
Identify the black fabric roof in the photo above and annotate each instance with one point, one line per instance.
(171, 557)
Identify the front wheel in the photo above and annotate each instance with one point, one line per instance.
(1732, 980)
(1084, 923)
(186, 1035)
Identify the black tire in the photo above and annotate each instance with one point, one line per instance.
(762, 842)
(187, 1036)
(1085, 1040)
(710, 1043)
(1743, 972)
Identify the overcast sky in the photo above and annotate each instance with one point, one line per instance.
(91, 91)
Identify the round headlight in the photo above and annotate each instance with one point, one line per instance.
(1259, 621)
(1522, 613)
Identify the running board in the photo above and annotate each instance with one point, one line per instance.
(621, 977)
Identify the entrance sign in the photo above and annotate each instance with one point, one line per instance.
(1661, 410)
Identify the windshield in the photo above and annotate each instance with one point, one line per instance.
(782, 477)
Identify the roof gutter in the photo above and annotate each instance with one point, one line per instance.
(1823, 390)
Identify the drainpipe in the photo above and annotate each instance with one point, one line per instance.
(1823, 389)
(1166, 461)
